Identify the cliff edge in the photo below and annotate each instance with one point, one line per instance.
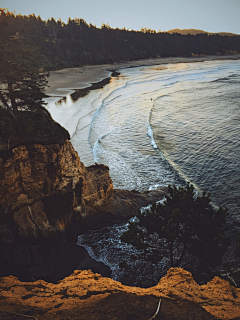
(48, 197)
(85, 295)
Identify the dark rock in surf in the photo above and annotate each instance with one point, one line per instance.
(48, 198)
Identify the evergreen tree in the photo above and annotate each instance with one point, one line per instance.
(21, 84)
(186, 228)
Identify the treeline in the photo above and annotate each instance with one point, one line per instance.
(77, 43)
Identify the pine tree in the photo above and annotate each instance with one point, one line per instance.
(186, 228)
(21, 84)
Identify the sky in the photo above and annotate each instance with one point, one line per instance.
(208, 15)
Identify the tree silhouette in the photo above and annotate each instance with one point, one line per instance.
(21, 84)
(77, 43)
(186, 228)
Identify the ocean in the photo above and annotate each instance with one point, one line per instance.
(161, 125)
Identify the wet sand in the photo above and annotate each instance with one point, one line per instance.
(63, 83)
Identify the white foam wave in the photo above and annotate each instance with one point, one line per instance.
(106, 246)
(118, 167)
(150, 134)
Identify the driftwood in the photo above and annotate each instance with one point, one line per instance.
(229, 276)
(157, 311)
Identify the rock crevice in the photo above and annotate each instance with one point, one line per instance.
(48, 196)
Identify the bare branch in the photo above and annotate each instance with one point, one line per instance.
(157, 311)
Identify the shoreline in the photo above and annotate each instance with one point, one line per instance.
(65, 81)
(69, 85)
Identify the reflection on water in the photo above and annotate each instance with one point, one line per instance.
(167, 126)
(185, 109)
(156, 126)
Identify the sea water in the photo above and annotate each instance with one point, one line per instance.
(162, 125)
(167, 125)
(172, 123)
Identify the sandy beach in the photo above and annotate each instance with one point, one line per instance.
(64, 82)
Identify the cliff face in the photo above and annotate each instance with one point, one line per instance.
(42, 185)
(47, 198)
(85, 295)
(45, 190)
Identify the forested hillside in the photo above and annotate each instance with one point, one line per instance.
(197, 31)
(77, 43)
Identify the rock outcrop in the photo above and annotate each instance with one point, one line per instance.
(48, 196)
(42, 186)
(30, 128)
(85, 295)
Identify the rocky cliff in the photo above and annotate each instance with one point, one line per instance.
(85, 295)
(48, 196)
(42, 185)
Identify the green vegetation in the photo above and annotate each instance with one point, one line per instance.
(31, 127)
(21, 84)
(186, 228)
(76, 43)
(23, 118)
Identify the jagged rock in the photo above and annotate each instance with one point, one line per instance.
(42, 185)
(44, 190)
(49, 196)
(85, 295)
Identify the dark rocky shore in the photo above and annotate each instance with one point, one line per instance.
(48, 198)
